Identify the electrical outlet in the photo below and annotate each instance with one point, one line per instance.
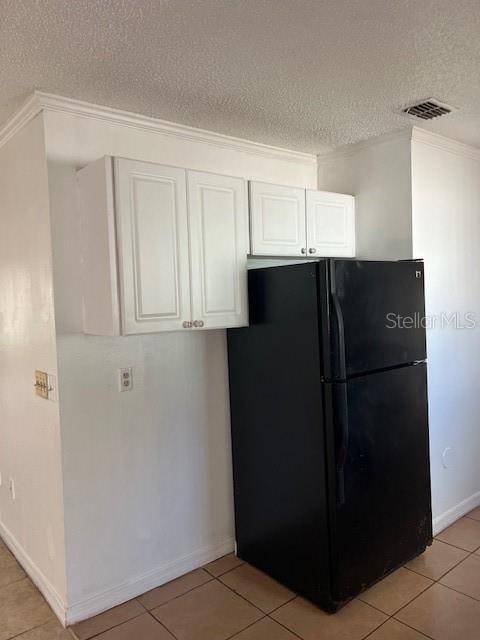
(50, 543)
(52, 387)
(11, 488)
(125, 379)
(447, 457)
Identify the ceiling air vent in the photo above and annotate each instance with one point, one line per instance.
(428, 109)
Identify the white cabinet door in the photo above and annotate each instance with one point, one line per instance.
(277, 220)
(218, 219)
(152, 228)
(330, 224)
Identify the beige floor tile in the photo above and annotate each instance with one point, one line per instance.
(142, 628)
(178, 587)
(51, 631)
(353, 622)
(209, 612)
(257, 588)
(265, 629)
(465, 577)
(107, 620)
(10, 570)
(465, 534)
(395, 591)
(222, 565)
(394, 630)
(437, 560)
(21, 608)
(443, 614)
(475, 514)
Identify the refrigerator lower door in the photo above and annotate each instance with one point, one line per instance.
(376, 311)
(381, 506)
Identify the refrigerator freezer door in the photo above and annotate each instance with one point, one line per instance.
(381, 508)
(376, 315)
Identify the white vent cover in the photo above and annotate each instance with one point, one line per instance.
(428, 109)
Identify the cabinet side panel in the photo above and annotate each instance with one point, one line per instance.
(278, 431)
(99, 270)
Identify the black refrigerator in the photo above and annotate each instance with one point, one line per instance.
(328, 392)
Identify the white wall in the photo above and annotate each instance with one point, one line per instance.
(418, 195)
(32, 524)
(377, 173)
(446, 234)
(147, 474)
(148, 488)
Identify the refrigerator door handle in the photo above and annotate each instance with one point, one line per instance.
(342, 413)
(337, 308)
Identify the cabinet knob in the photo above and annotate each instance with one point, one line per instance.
(304, 251)
(198, 323)
(312, 250)
(187, 324)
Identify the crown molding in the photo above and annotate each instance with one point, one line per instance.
(28, 110)
(40, 101)
(443, 143)
(411, 133)
(351, 149)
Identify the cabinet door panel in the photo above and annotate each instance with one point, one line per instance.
(218, 244)
(277, 221)
(153, 246)
(330, 224)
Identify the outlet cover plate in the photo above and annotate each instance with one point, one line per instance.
(125, 379)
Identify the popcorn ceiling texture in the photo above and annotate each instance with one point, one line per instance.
(303, 74)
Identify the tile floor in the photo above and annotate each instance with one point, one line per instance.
(435, 596)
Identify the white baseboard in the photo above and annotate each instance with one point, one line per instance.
(113, 596)
(45, 587)
(450, 516)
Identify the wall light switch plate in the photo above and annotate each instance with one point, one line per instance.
(41, 384)
(125, 379)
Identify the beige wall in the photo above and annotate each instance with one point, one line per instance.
(148, 478)
(418, 195)
(446, 234)
(32, 524)
(378, 174)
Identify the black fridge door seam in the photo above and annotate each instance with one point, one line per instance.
(324, 319)
(337, 314)
(362, 374)
(331, 477)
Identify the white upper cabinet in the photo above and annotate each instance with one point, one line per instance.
(286, 221)
(218, 249)
(152, 227)
(330, 224)
(163, 249)
(277, 220)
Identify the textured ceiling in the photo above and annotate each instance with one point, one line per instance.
(303, 74)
